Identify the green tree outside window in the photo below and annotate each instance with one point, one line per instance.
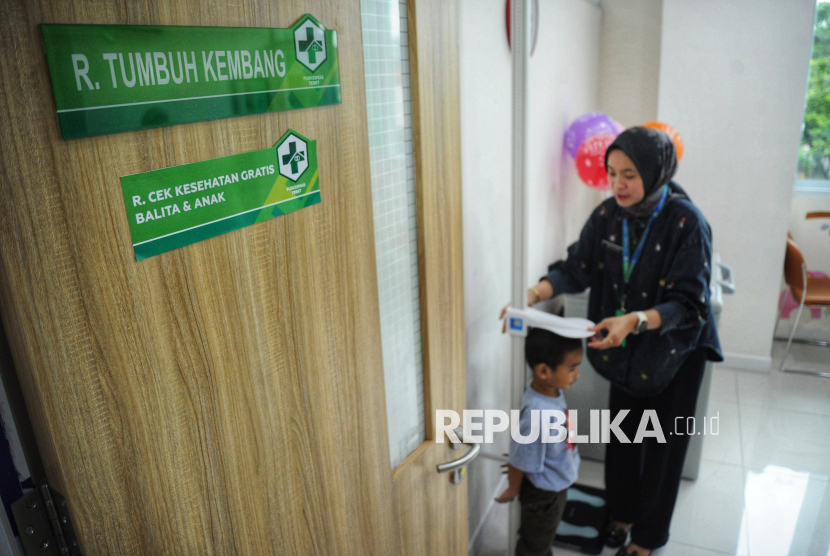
(814, 155)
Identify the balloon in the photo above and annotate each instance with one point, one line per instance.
(590, 160)
(671, 132)
(587, 125)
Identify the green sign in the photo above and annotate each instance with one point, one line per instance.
(174, 207)
(113, 78)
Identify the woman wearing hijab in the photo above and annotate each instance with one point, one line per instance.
(646, 255)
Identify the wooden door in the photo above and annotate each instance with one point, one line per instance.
(227, 397)
(418, 499)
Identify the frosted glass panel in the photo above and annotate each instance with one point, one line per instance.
(391, 152)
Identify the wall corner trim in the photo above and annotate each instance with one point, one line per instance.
(746, 362)
(474, 546)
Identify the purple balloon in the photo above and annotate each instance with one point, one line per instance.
(586, 126)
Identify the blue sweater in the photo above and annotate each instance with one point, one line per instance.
(548, 465)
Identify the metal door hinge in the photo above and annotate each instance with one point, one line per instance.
(44, 524)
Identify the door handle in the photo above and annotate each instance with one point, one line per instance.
(458, 467)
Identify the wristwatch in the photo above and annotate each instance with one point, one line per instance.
(642, 322)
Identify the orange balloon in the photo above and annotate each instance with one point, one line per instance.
(671, 132)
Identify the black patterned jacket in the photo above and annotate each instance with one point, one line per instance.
(672, 276)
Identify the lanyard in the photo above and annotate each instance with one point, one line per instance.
(628, 262)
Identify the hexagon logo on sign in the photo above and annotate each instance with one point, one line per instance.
(310, 44)
(292, 157)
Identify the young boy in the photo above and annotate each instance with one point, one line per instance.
(540, 473)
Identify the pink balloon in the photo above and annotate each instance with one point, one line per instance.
(586, 126)
(590, 160)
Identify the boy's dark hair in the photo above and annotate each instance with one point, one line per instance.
(543, 346)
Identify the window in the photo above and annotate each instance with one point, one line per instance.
(392, 156)
(813, 175)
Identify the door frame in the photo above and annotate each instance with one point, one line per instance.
(434, 67)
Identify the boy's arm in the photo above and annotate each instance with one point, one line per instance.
(524, 457)
(514, 484)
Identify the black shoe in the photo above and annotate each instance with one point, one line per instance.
(614, 537)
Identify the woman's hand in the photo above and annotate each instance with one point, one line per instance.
(501, 317)
(540, 292)
(618, 328)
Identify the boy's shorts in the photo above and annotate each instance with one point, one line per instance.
(541, 513)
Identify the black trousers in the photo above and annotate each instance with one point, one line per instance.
(642, 479)
(541, 513)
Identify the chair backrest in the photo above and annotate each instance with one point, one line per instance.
(792, 268)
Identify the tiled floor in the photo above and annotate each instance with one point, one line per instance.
(764, 483)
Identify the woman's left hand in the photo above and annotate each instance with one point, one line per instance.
(618, 328)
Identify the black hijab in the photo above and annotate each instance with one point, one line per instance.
(652, 152)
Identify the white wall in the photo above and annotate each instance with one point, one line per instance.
(485, 171)
(630, 60)
(563, 80)
(563, 85)
(733, 79)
